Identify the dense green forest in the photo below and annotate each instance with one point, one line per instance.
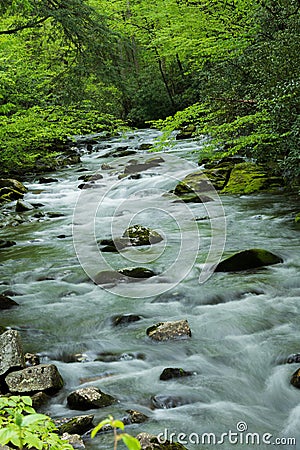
(231, 68)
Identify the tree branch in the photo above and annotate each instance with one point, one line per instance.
(34, 24)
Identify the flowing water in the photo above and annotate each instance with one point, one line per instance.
(244, 325)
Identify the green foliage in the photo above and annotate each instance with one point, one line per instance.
(131, 442)
(31, 140)
(22, 427)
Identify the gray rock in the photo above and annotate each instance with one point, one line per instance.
(164, 331)
(89, 398)
(39, 399)
(74, 440)
(44, 377)
(11, 352)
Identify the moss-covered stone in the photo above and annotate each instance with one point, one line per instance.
(248, 259)
(247, 178)
(297, 218)
(139, 235)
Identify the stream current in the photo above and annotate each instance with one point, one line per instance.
(244, 325)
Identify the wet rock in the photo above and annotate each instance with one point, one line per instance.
(22, 206)
(164, 331)
(11, 189)
(89, 185)
(137, 273)
(162, 401)
(74, 440)
(11, 352)
(119, 152)
(45, 378)
(123, 275)
(75, 425)
(7, 302)
(171, 372)
(113, 245)
(194, 198)
(94, 177)
(294, 358)
(248, 259)
(125, 319)
(89, 398)
(6, 244)
(39, 399)
(195, 183)
(31, 359)
(106, 166)
(139, 235)
(55, 215)
(247, 178)
(46, 180)
(136, 167)
(150, 442)
(295, 380)
(134, 417)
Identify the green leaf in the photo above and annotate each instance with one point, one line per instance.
(34, 418)
(99, 426)
(118, 424)
(131, 442)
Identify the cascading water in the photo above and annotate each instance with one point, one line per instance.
(244, 325)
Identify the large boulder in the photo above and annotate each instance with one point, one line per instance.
(248, 259)
(165, 331)
(123, 275)
(247, 178)
(11, 352)
(137, 167)
(89, 398)
(42, 378)
(194, 188)
(11, 189)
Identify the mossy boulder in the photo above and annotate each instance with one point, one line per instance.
(139, 235)
(11, 189)
(247, 178)
(248, 259)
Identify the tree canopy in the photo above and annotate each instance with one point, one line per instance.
(229, 67)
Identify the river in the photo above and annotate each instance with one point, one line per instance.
(244, 325)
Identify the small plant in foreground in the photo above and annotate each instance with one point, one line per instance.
(131, 442)
(22, 427)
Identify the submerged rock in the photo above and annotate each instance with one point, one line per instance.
(248, 259)
(43, 377)
(171, 372)
(7, 302)
(162, 401)
(164, 331)
(6, 244)
(11, 352)
(46, 180)
(125, 319)
(89, 398)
